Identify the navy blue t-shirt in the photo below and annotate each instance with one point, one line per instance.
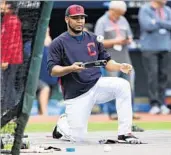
(65, 50)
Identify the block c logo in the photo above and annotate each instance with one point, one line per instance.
(91, 49)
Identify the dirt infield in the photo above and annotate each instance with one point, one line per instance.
(158, 143)
(144, 117)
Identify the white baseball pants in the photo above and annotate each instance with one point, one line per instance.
(79, 109)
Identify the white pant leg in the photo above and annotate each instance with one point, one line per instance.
(77, 112)
(109, 88)
(131, 78)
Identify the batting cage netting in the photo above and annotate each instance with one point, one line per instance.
(19, 24)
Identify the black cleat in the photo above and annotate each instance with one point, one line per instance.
(56, 134)
(129, 139)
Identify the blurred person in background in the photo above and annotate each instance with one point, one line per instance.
(155, 40)
(11, 51)
(46, 82)
(117, 34)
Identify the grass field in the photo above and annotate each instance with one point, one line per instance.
(48, 127)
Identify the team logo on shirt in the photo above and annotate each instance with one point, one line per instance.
(91, 49)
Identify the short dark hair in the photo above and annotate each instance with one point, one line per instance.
(13, 5)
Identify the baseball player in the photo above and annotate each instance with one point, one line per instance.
(82, 87)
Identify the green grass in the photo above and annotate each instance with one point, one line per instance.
(48, 127)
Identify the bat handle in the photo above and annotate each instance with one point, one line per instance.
(81, 65)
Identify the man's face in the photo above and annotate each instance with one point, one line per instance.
(161, 2)
(117, 13)
(4, 8)
(76, 23)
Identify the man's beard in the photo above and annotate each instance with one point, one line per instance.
(75, 31)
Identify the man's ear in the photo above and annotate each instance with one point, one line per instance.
(66, 19)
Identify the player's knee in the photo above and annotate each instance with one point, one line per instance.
(125, 85)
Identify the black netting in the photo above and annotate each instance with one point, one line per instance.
(19, 28)
(14, 78)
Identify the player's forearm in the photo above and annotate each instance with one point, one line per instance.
(113, 66)
(61, 71)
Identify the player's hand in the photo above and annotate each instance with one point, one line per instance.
(126, 68)
(4, 65)
(77, 67)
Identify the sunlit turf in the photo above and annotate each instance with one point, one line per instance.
(104, 126)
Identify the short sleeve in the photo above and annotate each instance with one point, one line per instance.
(99, 28)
